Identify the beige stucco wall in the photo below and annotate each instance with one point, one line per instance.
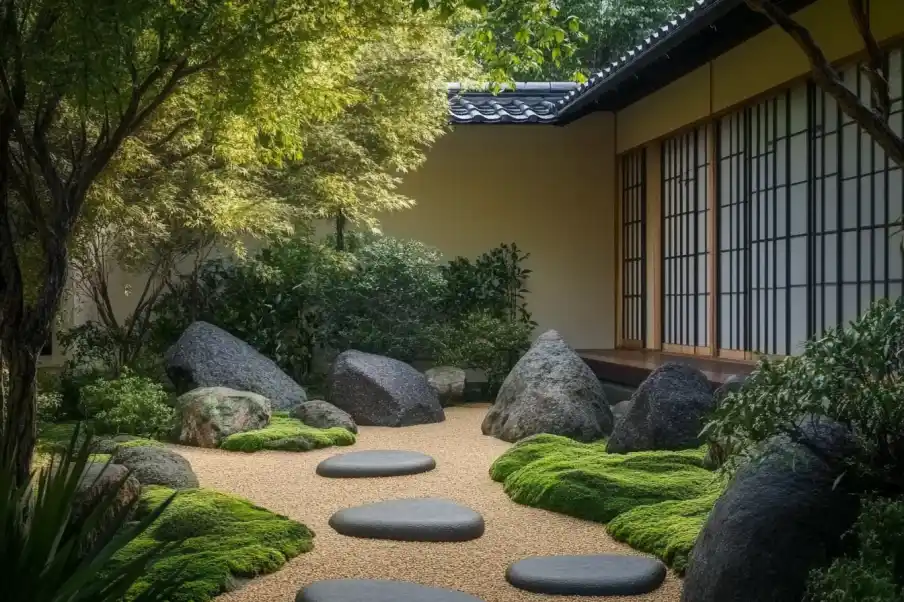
(763, 63)
(551, 191)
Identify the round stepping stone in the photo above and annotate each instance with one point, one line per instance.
(378, 590)
(602, 575)
(427, 519)
(376, 463)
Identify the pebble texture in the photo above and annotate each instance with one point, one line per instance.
(375, 463)
(449, 383)
(667, 412)
(378, 590)
(207, 356)
(550, 390)
(210, 414)
(380, 391)
(426, 519)
(590, 575)
(157, 466)
(323, 415)
(287, 483)
(778, 519)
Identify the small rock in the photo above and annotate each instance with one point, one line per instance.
(620, 409)
(380, 391)
(323, 415)
(97, 481)
(449, 383)
(210, 414)
(207, 356)
(667, 412)
(157, 466)
(780, 517)
(550, 390)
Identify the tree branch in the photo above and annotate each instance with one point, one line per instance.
(875, 63)
(827, 78)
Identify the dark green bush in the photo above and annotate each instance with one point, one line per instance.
(854, 376)
(875, 572)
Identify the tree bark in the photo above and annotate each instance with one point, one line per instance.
(340, 230)
(20, 423)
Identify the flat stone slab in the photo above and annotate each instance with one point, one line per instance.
(375, 463)
(378, 590)
(595, 575)
(423, 519)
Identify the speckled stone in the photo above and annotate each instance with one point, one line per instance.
(323, 415)
(380, 391)
(667, 412)
(550, 390)
(207, 356)
(377, 590)
(425, 519)
(375, 463)
(153, 465)
(594, 575)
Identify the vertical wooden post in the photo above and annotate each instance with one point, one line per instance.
(712, 239)
(654, 243)
(619, 252)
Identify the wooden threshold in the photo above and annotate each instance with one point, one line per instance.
(629, 367)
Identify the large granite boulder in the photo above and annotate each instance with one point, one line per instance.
(779, 518)
(380, 391)
(667, 412)
(207, 356)
(718, 451)
(157, 466)
(550, 390)
(449, 383)
(323, 415)
(97, 481)
(208, 415)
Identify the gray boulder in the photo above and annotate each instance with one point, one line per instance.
(449, 383)
(380, 391)
(718, 452)
(620, 409)
(97, 481)
(667, 412)
(207, 356)
(157, 466)
(550, 390)
(780, 517)
(208, 415)
(323, 415)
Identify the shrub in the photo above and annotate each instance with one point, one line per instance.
(215, 539)
(580, 479)
(483, 342)
(130, 404)
(49, 404)
(851, 375)
(287, 434)
(875, 572)
(495, 283)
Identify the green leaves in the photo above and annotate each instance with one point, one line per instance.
(47, 558)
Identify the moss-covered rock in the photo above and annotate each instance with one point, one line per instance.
(287, 434)
(216, 539)
(657, 501)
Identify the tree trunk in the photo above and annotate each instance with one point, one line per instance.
(340, 231)
(20, 423)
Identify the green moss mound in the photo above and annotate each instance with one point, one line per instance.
(217, 538)
(656, 501)
(288, 434)
(668, 530)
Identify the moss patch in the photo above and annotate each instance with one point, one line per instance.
(668, 530)
(217, 538)
(656, 501)
(287, 434)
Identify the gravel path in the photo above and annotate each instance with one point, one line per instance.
(285, 482)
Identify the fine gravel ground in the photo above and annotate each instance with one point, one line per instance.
(285, 482)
